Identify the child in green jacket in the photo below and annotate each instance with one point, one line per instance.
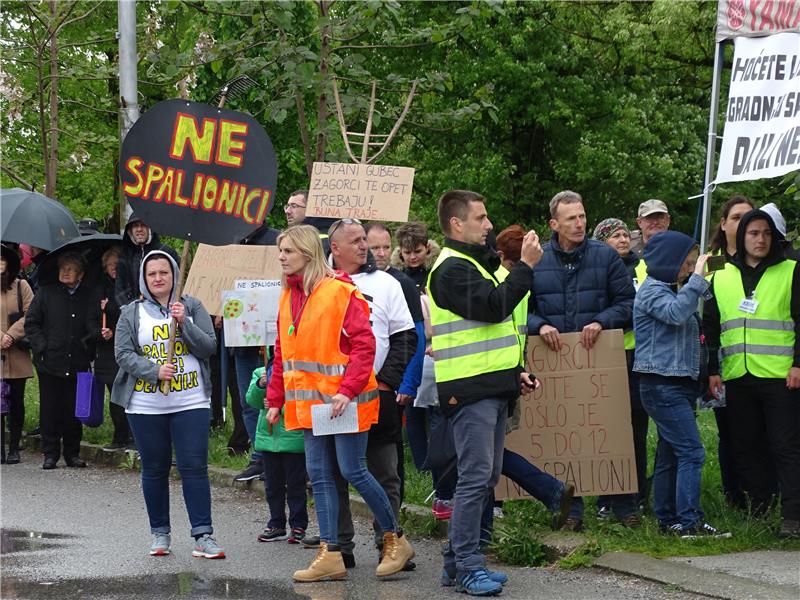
(284, 469)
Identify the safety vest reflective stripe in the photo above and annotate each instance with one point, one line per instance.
(522, 330)
(768, 324)
(294, 394)
(509, 341)
(757, 349)
(465, 325)
(313, 367)
(465, 348)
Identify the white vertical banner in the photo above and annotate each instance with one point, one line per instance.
(762, 121)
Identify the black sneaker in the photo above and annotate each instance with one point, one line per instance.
(604, 513)
(35, 433)
(252, 471)
(790, 529)
(699, 530)
(674, 529)
(272, 534)
(310, 542)
(564, 505)
(114, 447)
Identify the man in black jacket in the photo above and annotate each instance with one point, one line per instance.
(396, 342)
(137, 240)
(56, 326)
(477, 389)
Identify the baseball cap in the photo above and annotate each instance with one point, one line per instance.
(649, 207)
(777, 218)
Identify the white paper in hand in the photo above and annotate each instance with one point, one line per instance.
(322, 424)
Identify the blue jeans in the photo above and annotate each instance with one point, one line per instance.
(187, 432)
(348, 451)
(248, 360)
(416, 429)
(480, 432)
(285, 484)
(680, 453)
(444, 481)
(542, 486)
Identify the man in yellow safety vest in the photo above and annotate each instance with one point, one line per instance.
(477, 356)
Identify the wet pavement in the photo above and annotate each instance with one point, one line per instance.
(83, 533)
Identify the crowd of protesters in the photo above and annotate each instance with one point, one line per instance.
(410, 336)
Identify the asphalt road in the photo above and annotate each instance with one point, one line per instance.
(83, 533)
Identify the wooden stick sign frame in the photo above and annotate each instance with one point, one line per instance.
(362, 189)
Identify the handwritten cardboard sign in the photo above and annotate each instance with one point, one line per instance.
(365, 192)
(577, 425)
(199, 173)
(215, 269)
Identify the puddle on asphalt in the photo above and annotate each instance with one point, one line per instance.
(190, 585)
(17, 540)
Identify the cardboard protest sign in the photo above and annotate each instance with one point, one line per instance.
(199, 173)
(251, 315)
(366, 192)
(762, 122)
(215, 269)
(577, 425)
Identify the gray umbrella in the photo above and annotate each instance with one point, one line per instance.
(30, 218)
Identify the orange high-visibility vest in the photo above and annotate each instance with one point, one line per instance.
(313, 364)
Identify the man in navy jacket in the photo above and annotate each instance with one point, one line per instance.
(580, 285)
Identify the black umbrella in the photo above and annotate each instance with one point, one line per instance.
(90, 247)
(30, 218)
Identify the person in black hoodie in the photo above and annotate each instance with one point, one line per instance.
(103, 317)
(56, 328)
(137, 240)
(754, 318)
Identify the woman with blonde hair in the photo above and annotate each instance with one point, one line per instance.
(324, 354)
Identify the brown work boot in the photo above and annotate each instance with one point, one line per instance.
(396, 553)
(572, 524)
(328, 564)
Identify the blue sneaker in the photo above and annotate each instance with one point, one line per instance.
(478, 583)
(450, 580)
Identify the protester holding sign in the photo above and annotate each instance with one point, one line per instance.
(581, 285)
(323, 356)
(179, 418)
(753, 319)
(668, 362)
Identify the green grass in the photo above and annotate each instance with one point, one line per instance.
(517, 537)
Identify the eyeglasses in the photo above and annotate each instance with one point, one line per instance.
(339, 222)
(293, 206)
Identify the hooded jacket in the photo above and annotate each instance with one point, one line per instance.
(664, 323)
(418, 274)
(750, 278)
(198, 335)
(126, 287)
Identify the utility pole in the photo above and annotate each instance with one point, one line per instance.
(128, 90)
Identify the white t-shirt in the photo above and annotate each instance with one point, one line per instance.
(388, 309)
(186, 388)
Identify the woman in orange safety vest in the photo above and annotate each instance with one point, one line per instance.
(324, 354)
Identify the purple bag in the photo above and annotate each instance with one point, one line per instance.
(89, 398)
(5, 394)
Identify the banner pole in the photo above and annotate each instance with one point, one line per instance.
(719, 56)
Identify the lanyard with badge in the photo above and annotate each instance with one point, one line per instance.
(749, 305)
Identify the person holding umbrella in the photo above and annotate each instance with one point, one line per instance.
(56, 328)
(16, 297)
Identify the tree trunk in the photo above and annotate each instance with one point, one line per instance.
(322, 104)
(51, 175)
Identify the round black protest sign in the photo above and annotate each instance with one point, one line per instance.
(198, 172)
